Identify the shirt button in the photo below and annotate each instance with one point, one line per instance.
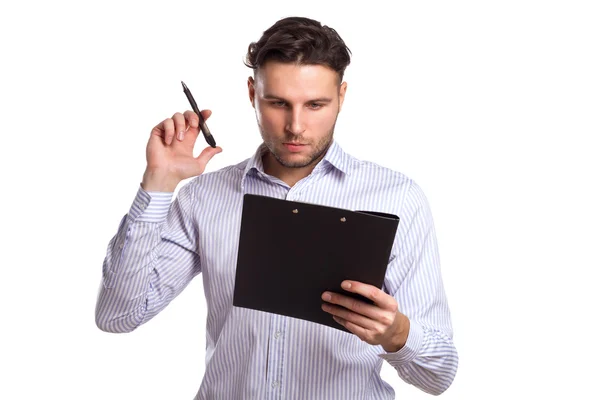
(275, 384)
(277, 334)
(121, 246)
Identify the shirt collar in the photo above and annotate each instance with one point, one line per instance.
(335, 157)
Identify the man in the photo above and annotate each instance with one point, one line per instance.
(297, 91)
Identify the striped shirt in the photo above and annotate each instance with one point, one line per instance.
(162, 244)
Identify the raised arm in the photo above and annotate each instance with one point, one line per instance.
(152, 258)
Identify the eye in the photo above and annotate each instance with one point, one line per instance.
(315, 106)
(278, 103)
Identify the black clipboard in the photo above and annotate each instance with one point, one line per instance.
(291, 252)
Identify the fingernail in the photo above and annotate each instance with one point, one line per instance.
(346, 285)
(326, 297)
(194, 123)
(180, 136)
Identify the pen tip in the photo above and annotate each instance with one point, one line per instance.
(183, 84)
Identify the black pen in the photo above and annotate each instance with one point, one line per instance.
(205, 131)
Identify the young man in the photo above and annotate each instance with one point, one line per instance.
(297, 91)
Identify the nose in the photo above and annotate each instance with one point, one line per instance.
(295, 121)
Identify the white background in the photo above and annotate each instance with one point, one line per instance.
(492, 107)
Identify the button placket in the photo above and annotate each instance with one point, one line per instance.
(276, 355)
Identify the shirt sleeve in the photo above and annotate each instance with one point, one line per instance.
(149, 261)
(429, 359)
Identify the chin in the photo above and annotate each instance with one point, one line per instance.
(294, 160)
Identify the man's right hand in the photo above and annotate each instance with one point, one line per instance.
(169, 153)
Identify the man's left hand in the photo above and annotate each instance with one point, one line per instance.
(377, 324)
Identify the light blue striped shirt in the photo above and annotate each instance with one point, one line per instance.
(161, 245)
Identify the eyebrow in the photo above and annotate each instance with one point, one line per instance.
(318, 100)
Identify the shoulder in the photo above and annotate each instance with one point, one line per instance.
(391, 187)
(373, 168)
(375, 175)
(223, 180)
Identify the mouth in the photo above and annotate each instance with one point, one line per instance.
(294, 147)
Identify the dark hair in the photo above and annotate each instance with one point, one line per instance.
(300, 40)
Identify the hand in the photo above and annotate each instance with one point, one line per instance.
(169, 153)
(378, 324)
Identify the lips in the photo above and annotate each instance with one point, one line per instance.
(294, 147)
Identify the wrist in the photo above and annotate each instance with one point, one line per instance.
(399, 334)
(158, 181)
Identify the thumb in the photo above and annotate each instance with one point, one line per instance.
(207, 154)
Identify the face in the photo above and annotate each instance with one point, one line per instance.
(296, 110)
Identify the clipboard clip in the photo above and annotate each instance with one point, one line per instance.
(295, 211)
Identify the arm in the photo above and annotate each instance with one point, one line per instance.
(150, 260)
(428, 359)
(412, 323)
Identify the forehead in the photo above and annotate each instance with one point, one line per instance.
(295, 81)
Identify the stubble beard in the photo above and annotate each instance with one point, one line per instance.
(320, 148)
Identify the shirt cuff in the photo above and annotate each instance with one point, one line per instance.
(150, 206)
(410, 350)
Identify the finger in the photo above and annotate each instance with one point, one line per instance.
(340, 321)
(207, 154)
(347, 315)
(378, 296)
(193, 121)
(206, 114)
(357, 330)
(192, 118)
(166, 130)
(158, 130)
(353, 304)
(180, 127)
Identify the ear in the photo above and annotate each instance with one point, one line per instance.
(342, 94)
(251, 90)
